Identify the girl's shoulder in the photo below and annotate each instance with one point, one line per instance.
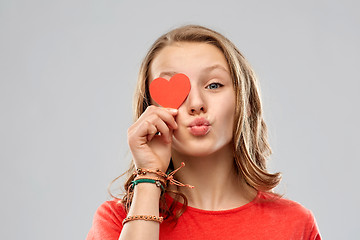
(279, 205)
(288, 213)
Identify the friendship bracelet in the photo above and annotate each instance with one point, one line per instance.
(163, 182)
(168, 177)
(143, 217)
(141, 171)
(147, 180)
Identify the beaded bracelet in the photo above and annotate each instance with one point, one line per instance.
(143, 171)
(143, 217)
(167, 177)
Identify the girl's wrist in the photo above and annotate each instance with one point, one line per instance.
(147, 189)
(146, 200)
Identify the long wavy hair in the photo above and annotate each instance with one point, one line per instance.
(250, 145)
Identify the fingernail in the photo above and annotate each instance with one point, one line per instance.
(173, 110)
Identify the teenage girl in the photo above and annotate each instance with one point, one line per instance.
(199, 171)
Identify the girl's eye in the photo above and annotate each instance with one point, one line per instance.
(214, 85)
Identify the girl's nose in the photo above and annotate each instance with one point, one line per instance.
(195, 102)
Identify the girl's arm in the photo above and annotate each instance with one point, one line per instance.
(149, 151)
(145, 202)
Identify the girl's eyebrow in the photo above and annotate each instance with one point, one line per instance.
(215, 67)
(170, 74)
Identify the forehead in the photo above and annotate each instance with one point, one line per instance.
(188, 58)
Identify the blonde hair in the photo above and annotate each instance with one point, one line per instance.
(250, 144)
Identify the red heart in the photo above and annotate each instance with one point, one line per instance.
(172, 93)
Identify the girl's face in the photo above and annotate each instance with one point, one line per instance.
(206, 118)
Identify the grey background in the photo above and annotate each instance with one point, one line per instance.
(67, 74)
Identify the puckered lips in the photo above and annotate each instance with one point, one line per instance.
(199, 127)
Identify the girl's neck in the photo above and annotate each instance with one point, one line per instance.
(217, 185)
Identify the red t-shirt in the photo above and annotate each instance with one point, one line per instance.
(274, 219)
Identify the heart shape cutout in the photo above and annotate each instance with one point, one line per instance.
(170, 93)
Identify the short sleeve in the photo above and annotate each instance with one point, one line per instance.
(107, 222)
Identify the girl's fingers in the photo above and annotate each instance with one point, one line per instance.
(168, 116)
(163, 129)
(154, 120)
(151, 131)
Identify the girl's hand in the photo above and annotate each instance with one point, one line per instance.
(149, 149)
